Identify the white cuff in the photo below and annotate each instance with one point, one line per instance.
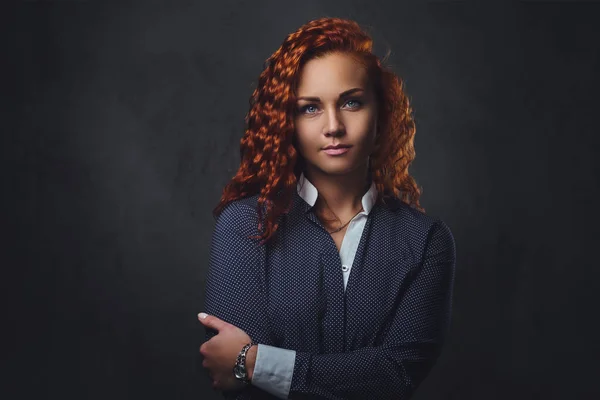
(273, 370)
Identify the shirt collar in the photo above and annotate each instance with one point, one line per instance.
(309, 193)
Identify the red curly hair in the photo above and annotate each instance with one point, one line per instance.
(270, 164)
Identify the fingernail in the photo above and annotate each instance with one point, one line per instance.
(202, 315)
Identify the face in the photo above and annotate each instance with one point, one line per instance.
(336, 106)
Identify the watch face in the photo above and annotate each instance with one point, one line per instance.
(239, 372)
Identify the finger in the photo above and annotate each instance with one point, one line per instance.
(203, 348)
(210, 321)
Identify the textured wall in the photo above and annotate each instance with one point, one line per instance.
(122, 124)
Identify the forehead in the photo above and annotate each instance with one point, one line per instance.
(330, 75)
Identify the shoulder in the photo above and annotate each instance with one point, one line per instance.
(417, 226)
(240, 215)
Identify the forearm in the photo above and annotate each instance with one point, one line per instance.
(372, 372)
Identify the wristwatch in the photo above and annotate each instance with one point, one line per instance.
(239, 370)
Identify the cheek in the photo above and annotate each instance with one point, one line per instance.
(366, 129)
(304, 139)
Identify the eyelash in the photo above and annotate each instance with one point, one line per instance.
(303, 108)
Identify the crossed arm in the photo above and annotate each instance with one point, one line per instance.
(393, 370)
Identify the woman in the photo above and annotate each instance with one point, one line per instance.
(326, 278)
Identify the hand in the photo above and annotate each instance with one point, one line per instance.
(221, 351)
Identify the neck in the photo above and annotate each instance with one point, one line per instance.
(340, 194)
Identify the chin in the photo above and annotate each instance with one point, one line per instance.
(339, 169)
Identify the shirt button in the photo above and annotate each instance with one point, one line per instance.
(345, 268)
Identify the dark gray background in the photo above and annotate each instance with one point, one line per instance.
(122, 124)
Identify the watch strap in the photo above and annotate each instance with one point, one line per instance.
(239, 370)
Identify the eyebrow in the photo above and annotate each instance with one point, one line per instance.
(343, 94)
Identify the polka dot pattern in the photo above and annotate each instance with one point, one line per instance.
(378, 338)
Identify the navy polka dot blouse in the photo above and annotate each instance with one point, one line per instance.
(375, 338)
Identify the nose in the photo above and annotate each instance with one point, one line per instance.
(334, 126)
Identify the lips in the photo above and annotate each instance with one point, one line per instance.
(336, 150)
(337, 146)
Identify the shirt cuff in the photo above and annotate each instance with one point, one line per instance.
(273, 370)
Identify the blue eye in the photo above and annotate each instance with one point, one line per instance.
(305, 108)
(358, 103)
